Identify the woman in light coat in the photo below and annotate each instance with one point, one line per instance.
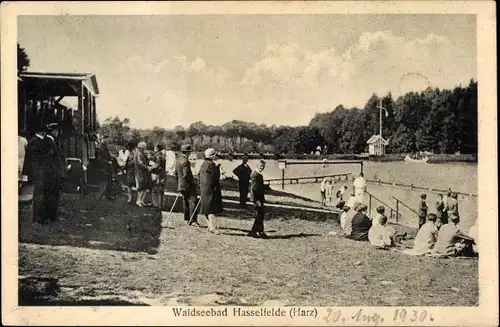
(210, 195)
(142, 174)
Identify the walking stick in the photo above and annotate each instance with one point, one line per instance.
(194, 211)
(171, 209)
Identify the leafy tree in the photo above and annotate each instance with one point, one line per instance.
(23, 61)
(433, 120)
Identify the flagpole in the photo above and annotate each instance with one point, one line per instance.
(380, 107)
(380, 117)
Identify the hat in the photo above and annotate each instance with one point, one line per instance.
(186, 148)
(51, 126)
(361, 207)
(210, 153)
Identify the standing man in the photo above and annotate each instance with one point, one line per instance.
(243, 172)
(359, 187)
(186, 185)
(159, 170)
(452, 207)
(210, 201)
(106, 162)
(33, 168)
(54, 173)
(257, 191)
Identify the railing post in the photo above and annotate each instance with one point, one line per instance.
(370, 204)
(282, 179)
(397, 210)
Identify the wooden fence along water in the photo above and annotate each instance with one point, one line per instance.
(307, 179)
(419, 188)
(394, 213)
(284, 163)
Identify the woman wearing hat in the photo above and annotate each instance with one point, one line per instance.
(142, 174)
(210, 197)
(361, 224)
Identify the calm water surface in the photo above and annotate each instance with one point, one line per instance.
(460, 177)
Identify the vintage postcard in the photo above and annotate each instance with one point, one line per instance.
(249, 163)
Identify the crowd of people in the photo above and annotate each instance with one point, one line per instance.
(42, 165)
(438, 233)
(140, 172)
(143, 172)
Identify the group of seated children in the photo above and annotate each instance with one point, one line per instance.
(328, 198)
(447, 240)
(434, 237)
(356, 225)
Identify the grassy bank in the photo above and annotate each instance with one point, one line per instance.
(111, 253)
(443, 158)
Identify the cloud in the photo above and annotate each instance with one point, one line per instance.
(378, 62)
(288, 84)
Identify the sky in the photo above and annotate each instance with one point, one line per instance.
(272, 69)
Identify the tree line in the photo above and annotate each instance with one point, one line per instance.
(439, 121)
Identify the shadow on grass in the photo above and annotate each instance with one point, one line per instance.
(243, 230)
(76, 302)
(234, 211)
(93, 221)
(289, 236)
(272, 237)
(46, 291)
(85, 221)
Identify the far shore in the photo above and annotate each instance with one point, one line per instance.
(433, 158)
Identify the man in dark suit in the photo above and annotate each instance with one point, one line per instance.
(54, 173)
(33, 169)
(107, 163)
(243, 172)
(257, 192)
(186, 185)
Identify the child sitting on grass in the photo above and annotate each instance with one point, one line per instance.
(361, 224)
(343, 217)
(380, 235)
(426, 236)
(451, 241)
(380, 214)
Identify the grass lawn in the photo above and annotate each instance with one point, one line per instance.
(91, 257)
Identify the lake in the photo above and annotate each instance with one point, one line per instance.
(460, 177)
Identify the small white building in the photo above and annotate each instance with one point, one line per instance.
(376, 145)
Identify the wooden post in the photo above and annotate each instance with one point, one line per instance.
(397, 210)
(282, 179)
(370, 205)
(81, 109)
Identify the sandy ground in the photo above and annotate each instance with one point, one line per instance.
(92, 257)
